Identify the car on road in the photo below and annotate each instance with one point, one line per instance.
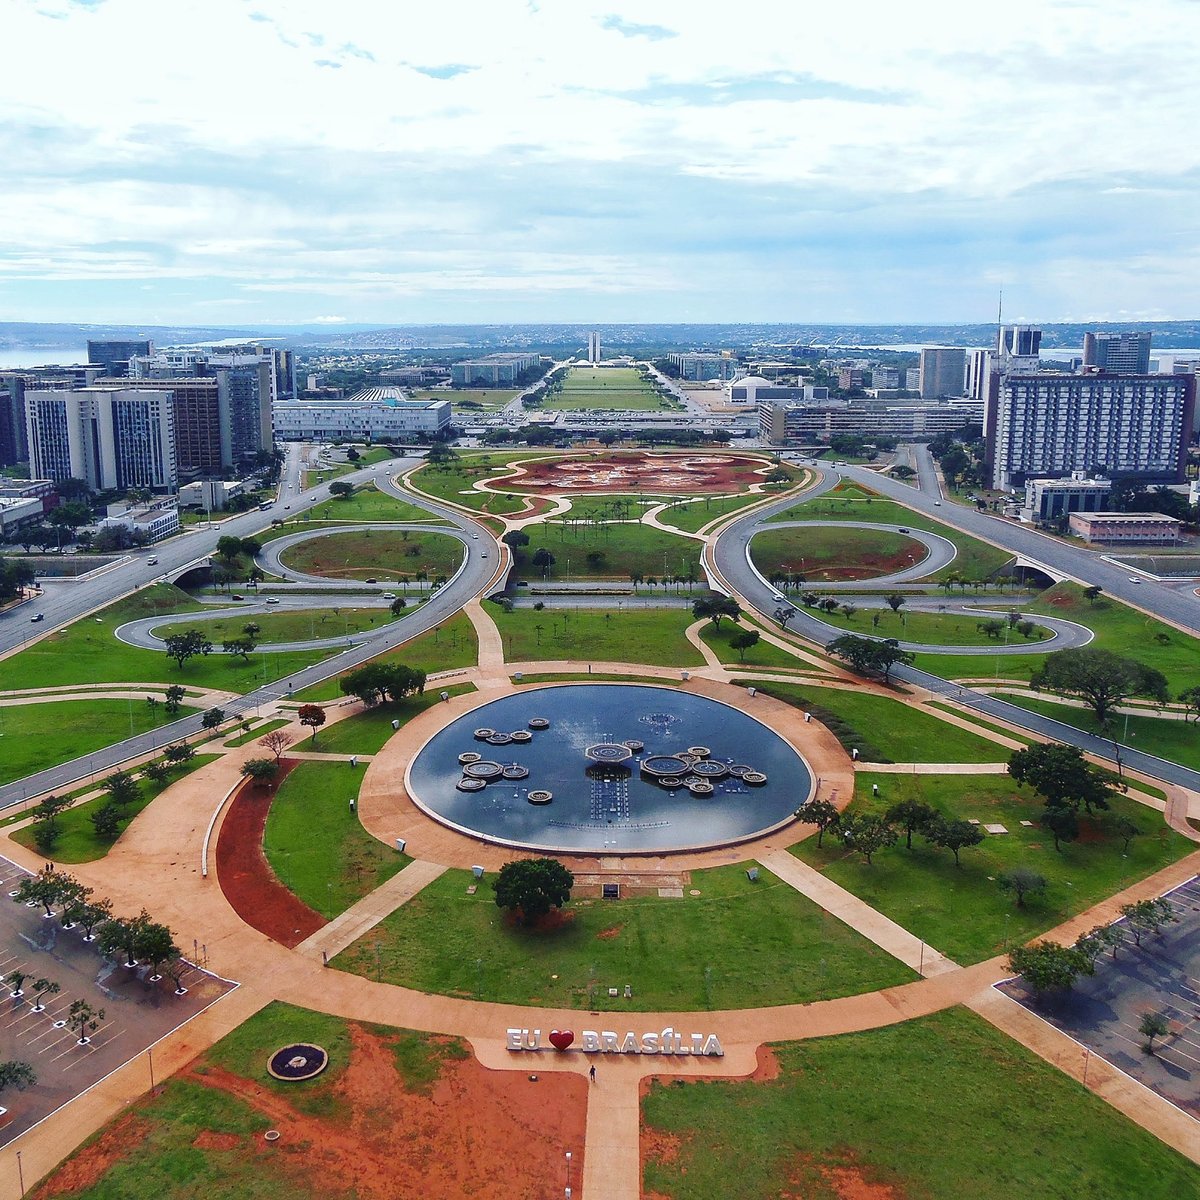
(902, 529)
(372, 581)
(1134, 579)
(483, 555)
(152, 560)
(389, 595)
(38, 617)
(937, 504)
(777, 598)
(237, 596)
(272, 600)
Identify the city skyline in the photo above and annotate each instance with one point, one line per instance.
(517, 162)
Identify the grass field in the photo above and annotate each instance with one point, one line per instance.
(369, 553)
(975, 559)
(764, 654)
(884, 730)
(449, 646)
(87, 652)
(639, 635)
(939, 1108)
(367, 732)
(736, 945)
(935, 629)
(823, 554)
(454, 482)
(608, 389)
(961, 911)
(263, 727)
(34, 737)
(469, 399)
(622, 549)
(692, 515)
(369, 504)
(316, 845)
(78, 842)
(288, 626)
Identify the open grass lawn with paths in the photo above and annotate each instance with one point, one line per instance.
(371, 553)
(88, 652)
(975, 559)
(366, 732)
(941, 1107)
(317, 846)
(736, 945)
(623, 549)
(960, 910)
(289, 626)
(454, 482)
(693, 515)
(608, 389)
(934, 629)
(370, 504)
(762, 654)
(78, 842)
(884, 730)
(825, 555)
(36, 736)
(450, 646)
(637, 635)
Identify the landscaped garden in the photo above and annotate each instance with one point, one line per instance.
(366, 553)
(937, 629)
(366, 732)
(295, 625)
(826, 554)
(368, 503)
(736, 944)
(612, 551)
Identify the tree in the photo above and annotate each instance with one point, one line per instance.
(252, 629)
(240, 646)
(1144, 916)
(277, 741)
(1095, 941)
(92, 915)
(44, 888)
(106, 821)
(153, 944)
(312, 715)
(532, 886)
(954, 836)
(1060, 775)
(866, 833)
(397, 606)
(260, 770)
(46, 828)
(44, 987)
(903, 472)
(83, 1019)
(16, 1074)
(820, 813)
(716, 608)
(1023, 882)
(1063, 824)
(121, 789)
(213, 718)
(895, 601)
(1126, 828)
(16, 981)
(743, 640)
(73, 895)
(1048, 966)
(1092, 594)
(185, 645)
(1100, 678)
(912, 816)
(869, 654)
(341, 489)
(382, 682)
(543, 559)
(179, 752)
(1153, 1025)
(174, 698)
(229, 547)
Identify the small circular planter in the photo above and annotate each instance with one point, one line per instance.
(482, 734)
(540, 796)
(754, 778)
(297, 1062)
(468, 756)
(521, 735)
(466, 784)
(515, 771)
(538, 723)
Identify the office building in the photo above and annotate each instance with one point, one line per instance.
(245, 407)
(1019, 341)
(912, 379)
(153, 521)
(851, 377)
(903, 420)
(699, 368)
(753, 389)
(1127, 529)
(943, 370)
(285, 374)
(113, 356)
(109, 437)
(372, 415)
(979, 373)
(886, 377)
(594, 346)
(1121, 426)
(497, 370)
(1052, 499)
(12, 429)
(212, 495)
(1117, 353)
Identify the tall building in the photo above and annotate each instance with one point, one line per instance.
(114, 356)
(110, 437)
(198, 447)
(12, 429)
(1121, 426)
(943, 371)
(701, 367)
(979, 372)
(594, 346)
(1117, 353)
(285, 374)
(244, 405)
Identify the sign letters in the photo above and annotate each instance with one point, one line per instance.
(666, 1041)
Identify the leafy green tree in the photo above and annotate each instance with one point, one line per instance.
(179, 752)
(154, 944)
(1100, 678)
(120, 934)
(1146, 916)
(397, 606)
(532, 886)
(1048, 966)
(1097, 940)
(955, 836)
(106, 821)
(1122, 826)
(1092, 593)
(16, 981)
(46, 829)
(743, 640)
(912, 816)
(83, 1019)
(866, 833)
(383, 682)
(260, 770)
(1060, 775)
(239, 646)
(715, 608)
(1023, 883)
(157, 772)
(122, 789)
(213, 718)
(341, 489)
(174, 698)
(229, 547)
(46, 888)
(895, 601)
(16, 1074)
(187, 644)
(44, 987)
(543, 560)
(820, 813)
(864, 655)
(1063, 824)
(92, 914)
(1190, 699)
(1153, 1025)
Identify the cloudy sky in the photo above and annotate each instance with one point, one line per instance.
(255, 161)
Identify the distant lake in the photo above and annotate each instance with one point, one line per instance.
(42, 357)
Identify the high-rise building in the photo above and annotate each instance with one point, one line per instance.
(110, 437)
(594, 346)
(979, 372)
(943, 372)
(198, 448)
(114, 356)
(1117, 353)
(244, 407)
(1120, 426)
(285, 374)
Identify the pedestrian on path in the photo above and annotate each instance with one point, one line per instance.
(592, 1072)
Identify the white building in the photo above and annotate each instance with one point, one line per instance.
(156, 521)
(372, 415)
(210, 494)
(594, 346)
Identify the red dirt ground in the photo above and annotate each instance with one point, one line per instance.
(246, 877)
(473, 1132)
(642, 471)
(85, 1169)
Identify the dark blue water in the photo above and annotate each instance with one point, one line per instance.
(618, 811)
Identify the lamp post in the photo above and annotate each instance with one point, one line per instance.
(567, 1193)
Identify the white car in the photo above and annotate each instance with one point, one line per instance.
(272, 600)
(389, 595)
(1134, 579)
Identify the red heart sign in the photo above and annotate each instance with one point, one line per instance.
(560, 1039)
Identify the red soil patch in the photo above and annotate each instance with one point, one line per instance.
(660, 1147)
(768, 1065)
(85, 1169)
(611, 932)
(208, 1140)
(847, 1181)
(658, 473)
(472, 1129)
(246, 878)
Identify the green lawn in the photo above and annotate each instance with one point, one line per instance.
(975, 559)
(316, 845)
(367, 732)
(34, 737)
(764, 654)
(825, 554)
(639, 635)
(367, 553)
(693, 514)
(251, 735)
(454, 482)
(87, 652)
(449, 646)
(961, 911)
(78, 842)
(287, 626)
(621, 549)
(884, 730)
(934, 629)
(736, 945)
(369, 504)
(939, 1108)
(608, 388)
(1176, 741)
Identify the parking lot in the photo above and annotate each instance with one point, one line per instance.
(1103, 1011)
(137, 1012)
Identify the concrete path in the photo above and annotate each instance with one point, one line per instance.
(347, 928)
(612, 1164)
(996, 768)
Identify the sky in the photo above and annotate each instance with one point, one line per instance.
(249, 162)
